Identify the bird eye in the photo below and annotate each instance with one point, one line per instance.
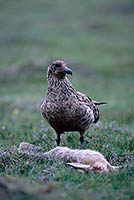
(56, 65)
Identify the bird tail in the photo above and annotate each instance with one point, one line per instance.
(99, 103)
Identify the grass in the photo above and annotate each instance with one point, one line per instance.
(96, 39)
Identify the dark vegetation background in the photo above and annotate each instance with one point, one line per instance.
(96, 39)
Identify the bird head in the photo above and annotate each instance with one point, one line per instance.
(59, 69)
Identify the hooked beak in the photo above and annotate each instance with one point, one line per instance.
(67, 70)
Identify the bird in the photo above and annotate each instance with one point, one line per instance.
(65, 108)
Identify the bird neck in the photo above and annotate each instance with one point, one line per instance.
(55, 82)
(59, 85)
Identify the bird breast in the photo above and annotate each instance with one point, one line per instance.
(67, 113)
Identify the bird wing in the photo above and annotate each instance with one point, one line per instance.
(92, 110)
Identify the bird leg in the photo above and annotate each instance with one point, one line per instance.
(58, 139)
(82, 140)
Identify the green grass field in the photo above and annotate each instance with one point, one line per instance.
(96, 39)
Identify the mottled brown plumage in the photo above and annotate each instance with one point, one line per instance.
(65, 108)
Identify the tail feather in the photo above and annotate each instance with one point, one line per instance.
(99, 103)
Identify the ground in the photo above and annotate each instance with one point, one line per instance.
(95, 38)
